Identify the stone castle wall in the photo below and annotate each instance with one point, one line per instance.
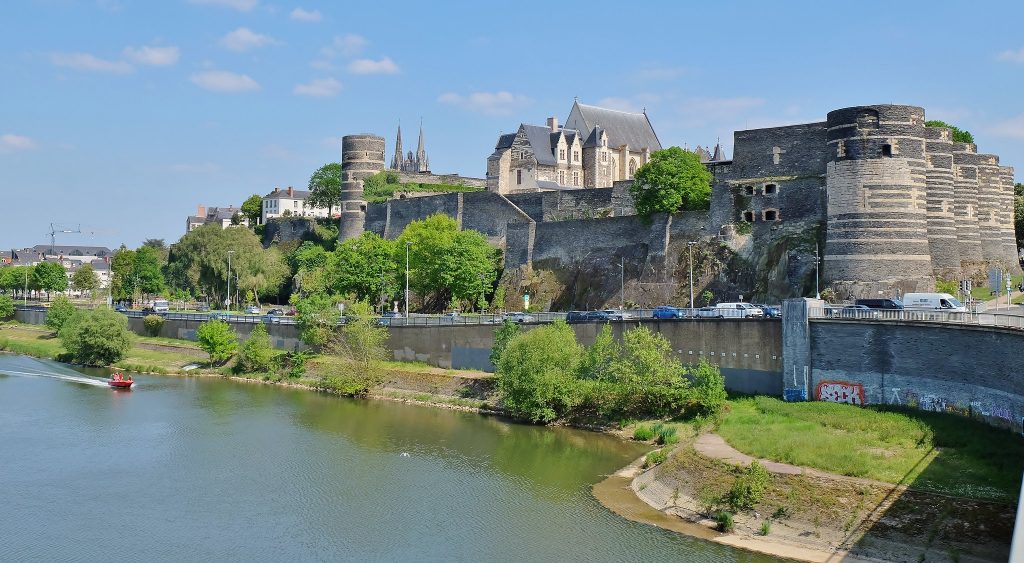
(451, 179)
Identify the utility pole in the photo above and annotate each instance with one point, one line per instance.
(690, 245)
(407, 245)
(817, 261)
(24, 294)
(230, 252)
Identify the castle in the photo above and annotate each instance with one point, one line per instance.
(891, 205)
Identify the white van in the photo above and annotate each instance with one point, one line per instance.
(161, 306)
(933, 302)
(738, 310)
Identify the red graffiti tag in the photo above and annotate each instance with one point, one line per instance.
(840, 392)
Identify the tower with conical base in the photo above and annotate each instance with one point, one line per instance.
(361, 156)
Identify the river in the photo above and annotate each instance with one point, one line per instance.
(186, 469)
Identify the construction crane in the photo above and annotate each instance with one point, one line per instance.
(55, 229)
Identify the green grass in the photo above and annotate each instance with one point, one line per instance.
(935, 452)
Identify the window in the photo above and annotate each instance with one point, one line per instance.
(770, 189)
(748, 190)
(519, 176)
(604, 156)
(575, 156)
(887, 150)
(295, 204)
(632, 166)
(575, 178)
(561, 177)
(748, 216)
(771, 215)
(561, 154)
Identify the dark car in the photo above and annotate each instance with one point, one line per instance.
(895, 304)
(203, 307)
(120, 308)
(598, 316)
(770, 312)
(575, 316)
(668, 312)
(275, 312)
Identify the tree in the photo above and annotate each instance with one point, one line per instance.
(97, 338)
(122, 274)
(147, 271)
(256, 355)
(706, 296)
(360, 344)
(252, 209)
(364, 267)
(447, 266)
(673, 180)
(59, 312)
(153, 324)
(502, 336)
(325, 187)
(217, 339)
(959, 135)
(6, 307)
(85, 279)
(49, 276)
(159, 246)
(535, 373)
(317, 317)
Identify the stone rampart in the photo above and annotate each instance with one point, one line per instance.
(450, 179)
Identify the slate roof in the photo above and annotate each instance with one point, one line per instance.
(296, 194)
(72, 250)
(593, 138)
(505, 141)
(540, 139)
(624, 128)
(719, 153)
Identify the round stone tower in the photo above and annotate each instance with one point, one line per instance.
(1010, 253)
(965, 208)
(990, 188)
(940, 197)
(877, 217)
(361, 156)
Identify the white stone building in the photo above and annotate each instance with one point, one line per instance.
(290, 203)
(223, 216)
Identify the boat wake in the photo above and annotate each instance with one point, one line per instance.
(41, 369)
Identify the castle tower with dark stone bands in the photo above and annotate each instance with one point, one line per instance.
(361, 156)
(965, 209)
(990, 187)
(1010, 254)
(941, 203)
(877, 217)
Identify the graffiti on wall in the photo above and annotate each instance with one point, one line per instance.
(840, 392)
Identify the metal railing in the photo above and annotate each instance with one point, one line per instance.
(993, 318)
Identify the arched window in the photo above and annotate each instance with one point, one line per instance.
(632, 166)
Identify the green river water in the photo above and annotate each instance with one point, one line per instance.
(203, 469)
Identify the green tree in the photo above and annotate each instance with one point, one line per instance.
(535, 373)
(49, 276)
(85, 278)
(59, 312)
(599, 357)
(361, 341)
(364, 267)
(317, 317)
(96, 338)
(122, 274)
(146, 271)
(159, 246)
(447, 265)
(673, 180)
(252, 209)
(256, 355)
(706, 297)
(650, 380)
(325, 187)
(709, 393)
(959, 135)
(217, 339)
(14, 278)
(6, 307)
(502, 336)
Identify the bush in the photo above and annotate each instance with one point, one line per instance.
(667, 435)
(643, 433)
(725, 521)
(536, 373)
(296, 364)
(217, 339)
(709, 394)
(153, 324)
(749, 487)
(505, 333)
(766, 527)
(59, 312)
(96, 338)
(256, 354)
(6, 308)
(655, 457)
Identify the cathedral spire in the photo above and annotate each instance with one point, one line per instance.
(422, 164)
(396, 161)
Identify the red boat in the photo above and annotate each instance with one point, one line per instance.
(119, 381)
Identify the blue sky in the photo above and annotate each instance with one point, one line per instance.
(122, 116)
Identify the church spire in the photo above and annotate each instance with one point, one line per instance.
(396, 161)
(422, 164)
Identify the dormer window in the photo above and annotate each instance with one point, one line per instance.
(576, 156)
(561, 154)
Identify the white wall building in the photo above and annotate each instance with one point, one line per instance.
(289, 203)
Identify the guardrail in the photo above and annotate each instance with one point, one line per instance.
(995, 319)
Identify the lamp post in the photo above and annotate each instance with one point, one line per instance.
(690, 247)
(817, 261)
(407, 245)
(230, 252)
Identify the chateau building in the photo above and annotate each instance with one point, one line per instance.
(594, 149)
(418, 163)
(223, 216)
(289, 203)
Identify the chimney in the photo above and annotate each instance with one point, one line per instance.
(201, 211)
(277, 189)
(291, 192)
(553, 124)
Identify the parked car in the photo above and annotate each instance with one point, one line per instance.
(275, 312)
(709, 313)
(575, 316)
(617, 315)
(291, 313)
(271, 319)
(934, 302)
(739, 310)
(598, 316)
(880, 303)
(858, 312)
(386, 318)
(120, 308)
(203, 307)
(253, 310)
(519, 317)
(770, 312)
(670, 312)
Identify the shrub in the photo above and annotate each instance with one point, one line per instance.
(96, 338)
(6, 307)
(766, 527)
(749, 487)
(649, 380)
(655, 457)
(296, 364)
(667, 435)
(59, 312)
(708, 389)
(256, 354)
(725, 521)
(599, 357)
(643, 433)
(217, 339)
(153, 324)
(505, 333)
(536, 373)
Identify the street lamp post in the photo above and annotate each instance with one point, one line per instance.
(690, 245)
(817, 261)
(230, 252)
(407, 245)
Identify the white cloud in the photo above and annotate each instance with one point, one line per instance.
(298, 14)
(348, 45)
(87, 62)
(9, 142)
(240, 5)
(370, 66)
(1012, 55)
(153, 56)
(319, 88)
(621, 104)
(243, 39)
(1013, 128)
(224, 81)
(489, 103)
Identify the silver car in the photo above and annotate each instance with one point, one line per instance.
(519, 317)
